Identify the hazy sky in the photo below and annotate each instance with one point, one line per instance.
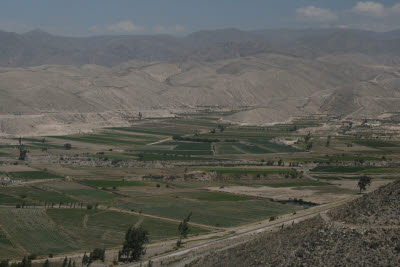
(91, 17)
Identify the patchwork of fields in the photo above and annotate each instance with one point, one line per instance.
(225, 175)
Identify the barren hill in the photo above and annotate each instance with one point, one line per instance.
(270, 87)
(326, 242)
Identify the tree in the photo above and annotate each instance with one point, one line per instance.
(85, 259)
(141, 156)
(46, 263)
(328, 141)
(133, 248)
(25, 262)
(364, 182)
(65, 262)
(97, 254)
(22, 152)
(4, 263)
(184, 229)
(309, 146)
(307, 138)
(67, 146)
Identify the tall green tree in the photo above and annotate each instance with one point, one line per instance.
(65, 262)
(364, 182)
(134, 244)
(184, 229)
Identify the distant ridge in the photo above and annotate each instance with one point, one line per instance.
(38, 47)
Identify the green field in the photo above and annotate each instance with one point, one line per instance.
(275, 147)
(158, 131)
(190, 145)
(7, 248)
(36, 232)
(345, 169)
(104, 183)
(227, 148)
(112, 138)
(96, 228)
(29, 194)
(89, 195)
(214, 196)
(211, 209)
(375, 143)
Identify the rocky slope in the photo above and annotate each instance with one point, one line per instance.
(317, 242)
(381, 207)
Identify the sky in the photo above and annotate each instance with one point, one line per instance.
(180, 17)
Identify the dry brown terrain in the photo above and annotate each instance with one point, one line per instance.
(268, 88)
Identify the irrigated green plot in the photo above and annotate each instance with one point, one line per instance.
(251, 149)
(112, 138)
(35, 231)
(96, 228)
(375, 143)
(90, 195)
(105, 183)
(275, 147)
(214, 196)
(10, 200)
(155, 131)
(221, 213)
(7, 248)
(226, 148)
(345, 169)
(27, 193)
(190, 145)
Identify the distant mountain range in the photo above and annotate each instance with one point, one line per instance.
(38, 47)
(51, 84)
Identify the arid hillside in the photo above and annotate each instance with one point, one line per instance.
(368, 236)
(267, 88)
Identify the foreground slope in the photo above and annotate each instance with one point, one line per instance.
(323, 241)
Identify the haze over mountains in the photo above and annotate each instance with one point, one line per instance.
(38, 47)
(50, 83)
